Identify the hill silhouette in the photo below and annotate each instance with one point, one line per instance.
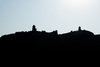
(42, 42)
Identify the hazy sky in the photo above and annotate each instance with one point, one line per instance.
(49, 15)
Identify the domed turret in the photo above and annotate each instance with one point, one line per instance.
(79, 28)
(34, 28)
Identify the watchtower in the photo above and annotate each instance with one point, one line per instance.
(34, 28)
(79, 28)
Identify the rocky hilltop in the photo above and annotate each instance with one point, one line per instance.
(51, 42)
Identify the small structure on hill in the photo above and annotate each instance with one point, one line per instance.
(79, 28)
(34, 28)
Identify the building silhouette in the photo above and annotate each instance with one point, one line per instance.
(79, 28)
(34, 28)
(52, 42)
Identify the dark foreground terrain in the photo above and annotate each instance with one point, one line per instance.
(43, 43)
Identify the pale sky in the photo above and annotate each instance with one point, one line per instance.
(49, 15)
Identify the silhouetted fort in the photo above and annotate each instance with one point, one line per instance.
(51, 42)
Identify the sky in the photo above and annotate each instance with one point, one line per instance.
(49, 15)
